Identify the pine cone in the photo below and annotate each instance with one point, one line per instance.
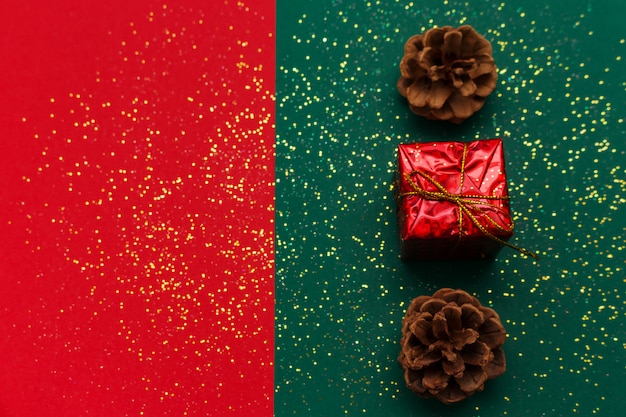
(451, 345)
(447, 73)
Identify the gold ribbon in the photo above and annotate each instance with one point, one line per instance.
(468, 204)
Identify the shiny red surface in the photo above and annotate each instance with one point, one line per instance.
(430, 228)
(136, 208)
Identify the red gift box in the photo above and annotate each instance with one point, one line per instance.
(453, 200)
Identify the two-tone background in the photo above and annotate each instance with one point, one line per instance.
(197, 214)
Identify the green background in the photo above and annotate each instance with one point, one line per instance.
(341, 289)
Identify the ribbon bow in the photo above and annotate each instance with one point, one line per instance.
(468, 205)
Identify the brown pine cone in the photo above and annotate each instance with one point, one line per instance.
(451, 345)
(447, 73)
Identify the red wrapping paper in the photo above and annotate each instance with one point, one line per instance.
(435, 180)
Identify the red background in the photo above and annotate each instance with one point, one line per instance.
(136, 208)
